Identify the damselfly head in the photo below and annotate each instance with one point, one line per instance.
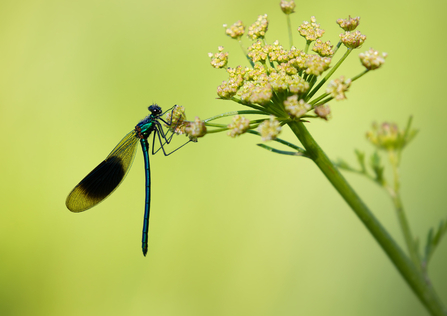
(155, 109)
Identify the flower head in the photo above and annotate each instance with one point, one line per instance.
(349, 24)
(287, 7)
(220, 59)
(236, 30)
(311, 31)
(352, 39)
(316, 65)
(259, 93)
(239, 126)
(371, 59)
(269, 129)
(279, 79)
(323, 111)
(277, 53)
(337, 88)
(259, 28)
(258, 52)
(323, 49)
(177, 120)
(297, 85)
(387, 136)
(228, 89)
(295, 108)
(195, 129)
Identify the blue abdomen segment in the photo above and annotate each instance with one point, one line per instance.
(147, 203)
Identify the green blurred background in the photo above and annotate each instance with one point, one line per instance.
(235, 230)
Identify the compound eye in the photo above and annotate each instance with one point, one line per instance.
(155, 109)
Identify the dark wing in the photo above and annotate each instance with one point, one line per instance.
(105, 178)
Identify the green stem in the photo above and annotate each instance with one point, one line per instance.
(406, 231)
(314, 105)
(234, 113)
(289, 27)
(336, 48)
(423, 290)
(282, 141)
(245, 53)
(360, 75)
(306, 48)
(401, 216)
(329, 74)
(319, 98)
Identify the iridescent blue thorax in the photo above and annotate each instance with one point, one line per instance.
(147, 125)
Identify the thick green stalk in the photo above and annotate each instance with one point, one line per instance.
(423, 290)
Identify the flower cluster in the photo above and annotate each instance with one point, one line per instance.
(323, 49)
(387, 136)
(236, 30)
(239, 126)
(311, 30)
(349, 24)
(176, 120)
(352, 39)
(259, 28)
(371, 59)
(323, 111)
(257, 85)
(337, 88)
(288, 7)
(269, 129)
(219, 59)
(282, 81)
(195, 129)
(296, 108)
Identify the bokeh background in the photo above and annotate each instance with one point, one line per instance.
(235, 229)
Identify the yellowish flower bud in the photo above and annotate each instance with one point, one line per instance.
(323, 111)
(295, 108)
(352, 39)
(195, 129)
(236, 30)
(349, 24)
(176, 118)
(220, 59)
(269, 129)
(323, 49)
(311, 31)
(239, 126)
(337, 88)
(287, 7)
(259, 28)
(372, 59)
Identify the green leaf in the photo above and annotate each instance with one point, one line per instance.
(361, 159)
(342, 164)
(300, 151)
(282, 152)
(433, 239)
(378, 168)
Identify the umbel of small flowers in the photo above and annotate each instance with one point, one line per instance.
(280, 84)
(387, 136)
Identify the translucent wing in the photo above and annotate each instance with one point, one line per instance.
(105, 178)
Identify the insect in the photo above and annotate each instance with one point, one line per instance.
(109, 174)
